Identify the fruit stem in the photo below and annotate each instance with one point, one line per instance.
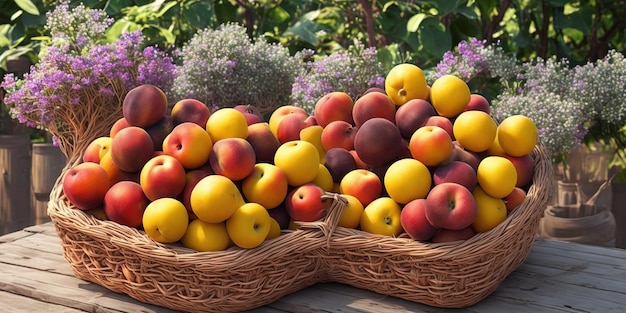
(402, 92)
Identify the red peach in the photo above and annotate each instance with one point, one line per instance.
(338, 134)
(125, 203)
(371, 105)
(85, 185)
(478, 102)
(144, 105)
(263, 142)
(190, 110)
(162, 177)
(233, 158)
(131, 148)
(414, 221)
(377, 141)
(334, 106)
(413, 115)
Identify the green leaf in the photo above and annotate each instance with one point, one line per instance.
(199, 14)
(446, 6)
(435, 38)
(468, 12)
(304, 30)
(27, 6)
(114, 7)
(415, 21)
(278, 15)
(167, 7)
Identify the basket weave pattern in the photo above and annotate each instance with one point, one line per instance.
(452, 275)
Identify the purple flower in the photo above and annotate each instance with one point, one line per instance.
(78, 75)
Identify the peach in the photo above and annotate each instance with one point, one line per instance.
(96, 149)
(162, 177)
(373, 104)
(189, 143)
(338, 134)
(525, 167)
(299, 159)
(339, 161)
(514, 199)
(192, 177)
(313, 134)
(131, 148)
(250, 112)
(414, 221)
(460, 154)
(144, 105)
(86, 185)
(357, 159)
(233, 158)
(190, 110)
(413, 115)
(361, 184)
(431, 145)
(377, 141)
(289, 128)
(406, 180)
(283, 111)
(117, 126)
(479, 103)
(455, 172)
(334, 106)
(125, 203)
(450, 206)
(324, 179)
(266, 185)
(263, 142)
(443, 122)
(227, 123)
(115, 173)
(306, 204)
(159, 131)
(279, 213)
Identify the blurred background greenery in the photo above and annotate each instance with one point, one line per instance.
(415, 31)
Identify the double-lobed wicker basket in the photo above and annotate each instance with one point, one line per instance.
(450, 275)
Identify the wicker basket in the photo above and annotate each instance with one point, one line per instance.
(125, 260)
(459, 274)
(449, 275)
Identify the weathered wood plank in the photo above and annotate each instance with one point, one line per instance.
(13, 303)
(31, 259)
(68, 291)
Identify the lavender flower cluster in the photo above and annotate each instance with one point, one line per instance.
(79, 79)
(474, 58)
(224, 68)
(352, 71)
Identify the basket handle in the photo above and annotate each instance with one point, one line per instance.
(328, 224)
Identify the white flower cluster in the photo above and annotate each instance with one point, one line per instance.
(224, 68)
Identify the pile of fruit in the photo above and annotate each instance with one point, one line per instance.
(427, 162)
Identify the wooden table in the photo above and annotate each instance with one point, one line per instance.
(556, 277)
